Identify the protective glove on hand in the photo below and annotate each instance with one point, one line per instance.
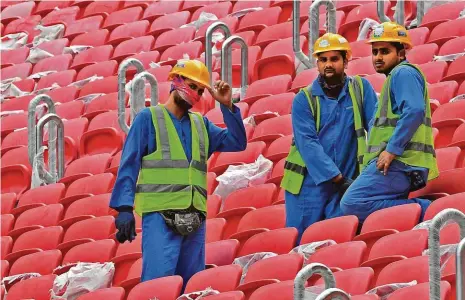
(343, 184)
(126, 225)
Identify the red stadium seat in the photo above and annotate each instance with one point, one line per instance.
(128, 31)
(340, 230)
(104, 69)
(56, 63)
(216, 116)
(86, 166)
(8, 202)
(449, 182)
(453, 46)
(446, 129)
(360, 49)
(213, 203)
(8, 221)
(249, 155)
(169, 22)
(441, 13)
(455, 71)
(406, 270)
(449, 111)
(18, 156)
(280, 103)
(161, 8)
(115, 293)
(40, 262)
(122, 17)
(62, 78)
(340, 17)
(279, 148)
(271, 129)
(5, 267)
(345, 280)
(93, 38)
(92, 56)
(33, 288)
(27, 25)
(88, 186)
(443, 91)
(455, 201)
(105, 86)
(220, 10)
(104, 8)
(17, 11)
(283, 290)
(447, 31)
(40, 196)
(55, 47)
(244, 4)
(420, 291)
(345, 256)
(231, 22)
(280, 241)
(15, 179)
(70, 110)
(66, 15)
(11, 122)
(143, 4)
(267, 87)
(377, 81)
(95, 251)
(132, 47)
(461, 90)
(434, 71)
(274, 33)
(448, 158)
(418, 36)
(221, 253)
(6, 245)
(168, 287)
(86, 208)
(304, 79)
(233, 295)
(45, 7)
(192, 6)
(102, 104)
(172, 54)
(15, 56)
(173, 38)
(362, 67)
(215, 229)
(19, 70)
(422, 54)
(222, 279)
(83, 25)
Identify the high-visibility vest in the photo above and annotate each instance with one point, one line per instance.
(167, 181)
(294, 167)
(419, 152)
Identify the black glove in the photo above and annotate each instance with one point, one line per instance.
(343, 185)
(126, 224)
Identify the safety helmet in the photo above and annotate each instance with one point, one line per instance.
(390, 32)
(192, 69)
(332, 42)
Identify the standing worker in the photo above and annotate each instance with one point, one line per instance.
(329, 120)
(163, 173)
(400, 155)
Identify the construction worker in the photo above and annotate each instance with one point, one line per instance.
(400, 155)
(329, 120)
(162, 173)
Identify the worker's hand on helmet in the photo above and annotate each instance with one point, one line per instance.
(126, 225)
(222, 93)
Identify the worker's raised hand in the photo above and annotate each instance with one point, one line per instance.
(384, 161)
(222, 93)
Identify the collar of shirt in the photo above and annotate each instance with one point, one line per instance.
(402, 63)
(317, 89)
(184, 118)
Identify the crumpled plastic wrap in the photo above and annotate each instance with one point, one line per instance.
(9, 281)
(154, 65)
(81, 279)
(13, 41)
(307, 250)
(243, 12)
(89, 98)
(450, 57)
(199, 295)
(446, 252)
(458, 98)
(75, 49)
(40, 175)
(37, 54)
(248, 260)
(384, 291)
(204, 17)
(238, 177)
(48, 33)
(312, 292)
(365, 28)
(10, 90)
(44, 90)
(40, 74)
(81, 83)
(249, 120)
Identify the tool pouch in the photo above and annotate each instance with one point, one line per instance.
(416, 181)
(183, 223)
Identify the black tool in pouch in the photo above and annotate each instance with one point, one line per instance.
(416, 181)
(183, 222)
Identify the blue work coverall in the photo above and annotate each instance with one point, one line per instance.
(164, 252)
(372, 190)
(326, 154)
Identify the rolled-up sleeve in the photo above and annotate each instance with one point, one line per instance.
(408, 91)
(135, 147)
(230, 139)
(320, 166)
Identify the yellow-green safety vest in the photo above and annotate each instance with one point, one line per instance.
(167, 181)
(294, 167)
(419, 152)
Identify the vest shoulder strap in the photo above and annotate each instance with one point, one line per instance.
(357, 86)
(314, 103)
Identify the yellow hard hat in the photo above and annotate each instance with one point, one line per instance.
(390, 32)
(193, 69)
(331, 42)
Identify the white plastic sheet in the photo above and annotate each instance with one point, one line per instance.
(13, 41)
(307, 250)
(365, 28)
(40, 74)
(10, 90)
(37, 54)
(75, 49)
(40, 175)
(48, 33)
(243, 12)
(199, 295)
(9, 281)
(89, 98)
(450, 57)
(44, 90)
(446, 252)
(384, 291)
(248, 260)
(204, 17)
(81, 83)
(81, 279)
(238, 177)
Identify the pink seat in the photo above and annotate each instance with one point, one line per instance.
(216, 116)
(420, 291)
(377, 81)
(448, 158)
(303, 79)
(70, 110)
(267, 87)
(345, 280)
(103, 69)
(279, 148)
(448, 182)
(15, 56)
(161, 8)
(441, 13)
(447, 31)
(254, 53)
(18, 156)
(33, 288)
(132, 47)
(455, 71)
(362, 66)
(15, 179)
(62, 78)
(221, 253)
(449, 111)
(434, 71)
(422, 54)
(259, 20)
(45, 7)
(8, 221)
(105, 86)
(249, 155)
(128, 31)
(192, 6)
(280, 104)
(19, 70)
(215, 228)
(274, 33)
(56, 63)
(66, 15)
(220, 10)
(173, 38)
(255, 196)
(115, 293)
(14, 139)
(169, 22)
(93, 251)
(88, 186)
(122, 17)
(86, 166)
(102, 8)
(168, 287)
(360, 49)
(271, 129)
(280, 241)
(102, 104)
(222, 279)
(172, 54)
(455, 201)
(340, 230)
(406, 270)
(40, 196)
(92, 56)
(93, 38)
(26, 24)
(55, 47)
(8, 202)
(345, 256)
(443, 91)
(453, 46)
(283, 290)
(83, 25)
(17, 11)
(232, 24)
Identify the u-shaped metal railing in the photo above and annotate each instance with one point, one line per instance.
(380, 10)
(433, 241)
(226, 62)
(138, 92)
(123, 67)
(208, 41)
(314, 28)
(460, 265)
(306, 273)
(56, 173)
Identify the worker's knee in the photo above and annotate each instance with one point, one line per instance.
(351, 205)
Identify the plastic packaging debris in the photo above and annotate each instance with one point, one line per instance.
(89, 98)
(458, 98)
(365, 28)
(203, 18)
(248, 260)
(11, 112)
(81, 279)
(44, 90)
(40, 176)
(75, 49)
(450, 57)
(249, 120)
(10, 90)
(40, 74)
(307, 250)
(81, 83)
(243, 12)
(446, 252)
(37, 54)
(238, 177)
(154, 65)
(13, 41)
(48, 33)
(198, 295)
(384, 291)
(312, 292)
(462, 14)
(9, 281)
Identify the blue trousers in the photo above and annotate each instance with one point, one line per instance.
(372, 191)
(166, 253)
(313, 203)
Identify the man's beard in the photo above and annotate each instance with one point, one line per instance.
(180, 102)
(334, 78)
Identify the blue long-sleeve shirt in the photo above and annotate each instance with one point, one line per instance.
(333, 150)
(141, 142)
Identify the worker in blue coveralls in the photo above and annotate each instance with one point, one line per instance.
(329, 119)
(400, 155)
(162, 173)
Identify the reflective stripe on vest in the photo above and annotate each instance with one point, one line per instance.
(420, 150)
(167, 181)
(294, 167)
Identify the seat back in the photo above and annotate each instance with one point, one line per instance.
(222, 279)
(281, 267)
(256, 196)
(97, 252)
(401, 218)
(280, 241)
(340, 230)
(40, 262)
(345, 256)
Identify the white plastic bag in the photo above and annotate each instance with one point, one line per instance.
(203, 18)
(40, 74)
(384, 291)
(248, 260)
(450, 57)
(37, 54)
(75, 49)
(198, 295)
(307, 250)
(13, 41)
(238, 177)
(48, 33)
(81, 279)
(365, 28)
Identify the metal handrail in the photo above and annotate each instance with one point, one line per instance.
(208, 42)
(460, 265)
(123, 67)
(433, 241)
(296, 36)
(333, 293)
(420, 12)
(400, 12)
(138, 92)
(306, 273)
(31, 125)
(314, 22)
(56, 173)
(380, 9)
(226, 62)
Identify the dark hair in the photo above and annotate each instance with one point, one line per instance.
(343, 54)
(398, 46)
